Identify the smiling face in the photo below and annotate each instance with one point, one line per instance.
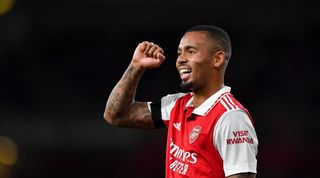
(196, 61)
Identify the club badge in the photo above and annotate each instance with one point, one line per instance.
(194, 134)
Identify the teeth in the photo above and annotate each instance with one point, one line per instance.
(183, 71)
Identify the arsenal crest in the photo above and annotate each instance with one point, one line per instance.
(194, 133)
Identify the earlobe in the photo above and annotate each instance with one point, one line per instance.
(218, 59)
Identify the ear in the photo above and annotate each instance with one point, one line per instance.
(219, 59)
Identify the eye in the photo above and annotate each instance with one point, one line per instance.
(179, 53)
(191, 51)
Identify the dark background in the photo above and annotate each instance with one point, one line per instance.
(59, 60)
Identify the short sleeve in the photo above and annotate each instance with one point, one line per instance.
(237, 143)
(161, 110)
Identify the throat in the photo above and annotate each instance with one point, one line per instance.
(201, 96)
(198, 101)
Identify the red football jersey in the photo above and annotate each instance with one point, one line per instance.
(215, 140)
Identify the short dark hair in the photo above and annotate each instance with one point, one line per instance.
(220, 37)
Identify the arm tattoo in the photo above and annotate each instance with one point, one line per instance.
(121, 104)
(122, 95)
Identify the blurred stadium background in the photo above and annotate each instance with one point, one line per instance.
(60, 59)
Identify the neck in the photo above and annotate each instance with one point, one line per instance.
(200, 96)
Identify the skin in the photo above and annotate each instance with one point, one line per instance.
(195, 52)
(121, 108)
(207, 66)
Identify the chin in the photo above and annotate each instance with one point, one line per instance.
(186, 85)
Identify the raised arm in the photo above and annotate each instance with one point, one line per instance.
(121, 109)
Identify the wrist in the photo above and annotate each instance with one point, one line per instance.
(136, 68)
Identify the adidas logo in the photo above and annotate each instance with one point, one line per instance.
(177, 125)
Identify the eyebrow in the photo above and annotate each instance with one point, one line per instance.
(187, 47)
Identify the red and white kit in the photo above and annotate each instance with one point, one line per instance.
(215, 140)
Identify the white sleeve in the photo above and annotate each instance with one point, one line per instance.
(167, 103)
(236, 141)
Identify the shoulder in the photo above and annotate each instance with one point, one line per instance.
(229, 102)
(232, 107)
(237, 117)
(172, 98)
(176, 95)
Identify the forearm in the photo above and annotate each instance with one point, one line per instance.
(122, 96)
(121, 109)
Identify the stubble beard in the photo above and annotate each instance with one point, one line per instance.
(186, 86)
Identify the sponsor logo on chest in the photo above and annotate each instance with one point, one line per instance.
(180, 159)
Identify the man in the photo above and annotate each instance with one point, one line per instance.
(210, 134)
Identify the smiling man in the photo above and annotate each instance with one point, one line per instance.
(210, 134)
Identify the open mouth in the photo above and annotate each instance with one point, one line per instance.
(184, 71)
(185, 74)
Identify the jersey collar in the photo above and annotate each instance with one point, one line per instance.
(208, 104)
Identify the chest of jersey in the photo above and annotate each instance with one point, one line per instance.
(190, 147)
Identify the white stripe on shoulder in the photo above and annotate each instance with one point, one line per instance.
(167, 103)
(225, 105)
(228, 104)
(231, 102)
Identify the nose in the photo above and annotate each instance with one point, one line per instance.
(181, 59)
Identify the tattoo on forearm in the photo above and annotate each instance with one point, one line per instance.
(122, 96)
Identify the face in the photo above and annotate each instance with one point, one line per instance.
(195, 60)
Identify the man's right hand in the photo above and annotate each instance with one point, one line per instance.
(147, 55)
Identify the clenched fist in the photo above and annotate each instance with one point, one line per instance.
(147, 55)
